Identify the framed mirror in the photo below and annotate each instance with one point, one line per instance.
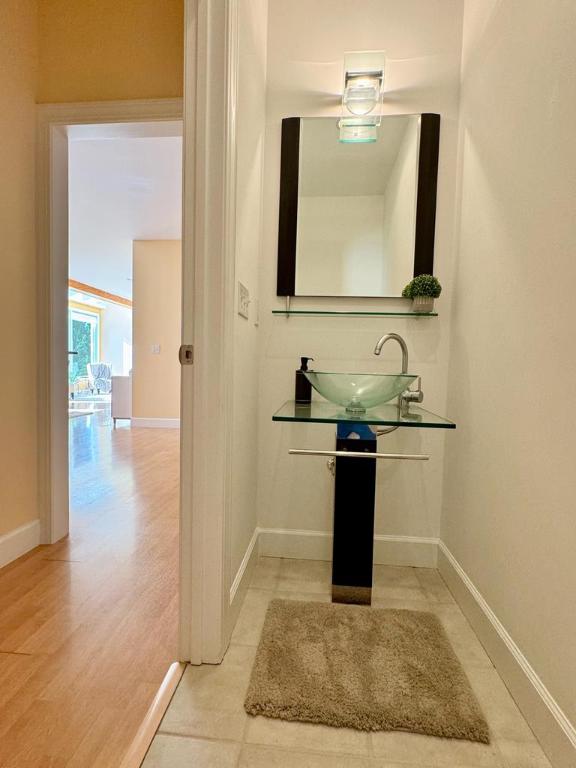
(356, 219)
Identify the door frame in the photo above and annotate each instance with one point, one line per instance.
(52, 322)
(211, 73)
(52, 293)
(208, 274)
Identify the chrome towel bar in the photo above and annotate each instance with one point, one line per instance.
(361, 455)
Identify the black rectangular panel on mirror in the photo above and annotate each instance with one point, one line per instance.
(357, 219)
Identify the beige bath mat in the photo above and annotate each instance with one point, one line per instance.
(358, 667)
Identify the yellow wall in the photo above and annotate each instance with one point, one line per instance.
(18, 65)
(156, 275)
(95, 50)
(57, 51)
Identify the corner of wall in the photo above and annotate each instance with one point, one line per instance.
(550, 724)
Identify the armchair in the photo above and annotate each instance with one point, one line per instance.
(99, 377)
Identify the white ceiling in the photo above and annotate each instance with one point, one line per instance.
(329, 167)
(121, 189)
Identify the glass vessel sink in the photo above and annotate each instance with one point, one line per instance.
(359, 391)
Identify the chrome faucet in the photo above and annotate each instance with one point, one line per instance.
(403, 347)
(408, 396)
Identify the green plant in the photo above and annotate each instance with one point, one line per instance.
(423, 285)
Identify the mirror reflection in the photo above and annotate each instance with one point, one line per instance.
(356, 210)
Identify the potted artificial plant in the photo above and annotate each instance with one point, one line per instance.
(423, 289)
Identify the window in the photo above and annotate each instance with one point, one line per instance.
(84, 339)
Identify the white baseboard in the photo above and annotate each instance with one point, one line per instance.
(242, 581)
(553, 729)
(248, 561)
(317, 545)
(19, 541)
(156, 423)
(416, 551)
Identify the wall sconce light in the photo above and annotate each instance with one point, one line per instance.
(362, 91)
(362, 96)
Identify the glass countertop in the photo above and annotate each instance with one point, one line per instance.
(323, 412)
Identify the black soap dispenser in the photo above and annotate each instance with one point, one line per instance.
(303, 388)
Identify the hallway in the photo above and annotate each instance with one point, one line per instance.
(88, 626)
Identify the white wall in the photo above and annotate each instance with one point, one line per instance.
(250, 115)
(121, 190)
(117, 337)
(306, 45)
(510, 483)
(340, 245)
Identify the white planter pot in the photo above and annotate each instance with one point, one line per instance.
(422, 304)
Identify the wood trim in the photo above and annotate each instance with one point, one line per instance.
(426, 194)
(121, 111)
(145, 734)
(288, 209)
(85, 288)
(85, 307)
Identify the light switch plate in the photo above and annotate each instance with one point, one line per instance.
(243, 300)
(155, 349)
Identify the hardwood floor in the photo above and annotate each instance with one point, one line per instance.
(88, 626)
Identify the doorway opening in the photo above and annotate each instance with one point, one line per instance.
(114, 364)
(123, 326)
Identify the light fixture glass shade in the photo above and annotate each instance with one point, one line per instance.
(358, 131)
(362, 92)
(362, 96)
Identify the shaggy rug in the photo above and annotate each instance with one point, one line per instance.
(358, 667)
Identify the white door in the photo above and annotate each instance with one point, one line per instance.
(208, 306)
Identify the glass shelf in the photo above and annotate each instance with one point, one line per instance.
(323, 412)
(336, 313)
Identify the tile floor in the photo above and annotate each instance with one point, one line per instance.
(206, 726)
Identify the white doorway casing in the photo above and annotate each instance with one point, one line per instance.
(52, 246)
(209, 192)
(208, 246)
(52, 271)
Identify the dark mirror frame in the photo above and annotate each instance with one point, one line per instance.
(425, 201)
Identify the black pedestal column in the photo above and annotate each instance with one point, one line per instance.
(353, 547)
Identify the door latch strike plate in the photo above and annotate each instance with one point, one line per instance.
(186, 354)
